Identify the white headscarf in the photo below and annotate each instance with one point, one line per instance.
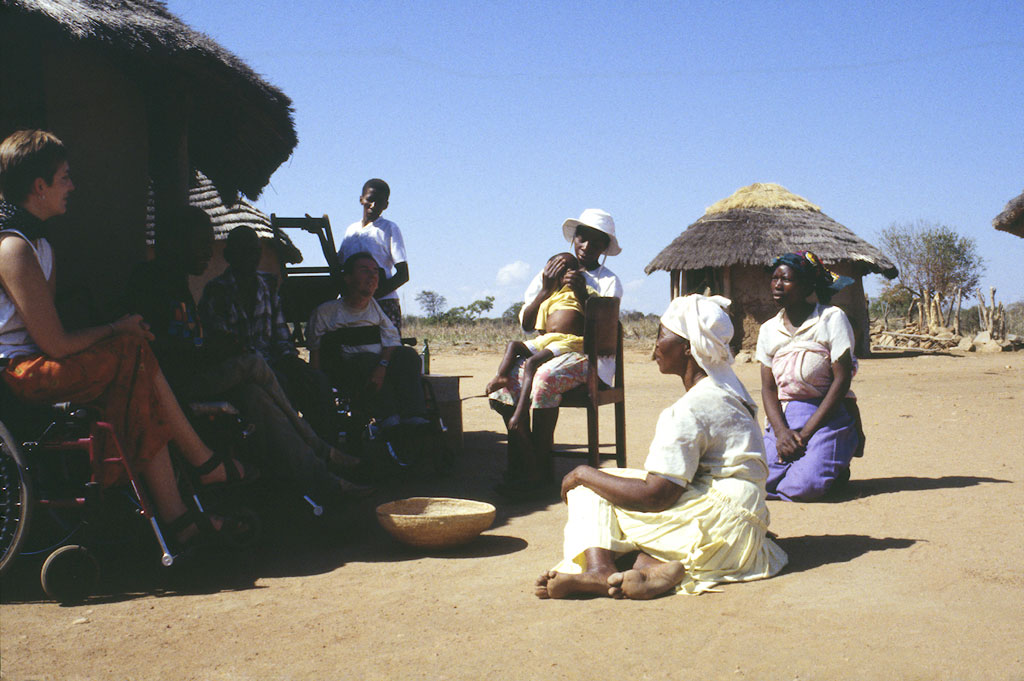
(704, 322)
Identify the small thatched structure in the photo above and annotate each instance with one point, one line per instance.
(730, 247)
(136, 95)
(1012, 218)
(278, 248)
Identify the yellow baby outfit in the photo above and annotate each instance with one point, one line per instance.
(558, 343)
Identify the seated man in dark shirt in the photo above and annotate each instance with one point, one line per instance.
(241, 307)
(285, 443)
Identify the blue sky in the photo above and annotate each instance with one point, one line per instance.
(495, 121)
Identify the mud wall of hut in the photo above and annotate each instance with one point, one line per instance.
(749, 289)
(100, 115)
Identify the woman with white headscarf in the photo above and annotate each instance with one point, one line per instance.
(696, 514)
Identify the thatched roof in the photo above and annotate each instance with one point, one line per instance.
(1012, 218)
(759, 223)
(203, 194)
(240, 127)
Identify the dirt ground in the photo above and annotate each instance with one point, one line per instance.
(915, 572)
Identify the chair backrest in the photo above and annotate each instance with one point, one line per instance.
(601, 329)
(303, 288)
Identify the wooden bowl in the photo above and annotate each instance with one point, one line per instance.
(435, 522)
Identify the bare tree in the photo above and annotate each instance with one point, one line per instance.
(936, 265)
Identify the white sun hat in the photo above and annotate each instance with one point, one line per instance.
(595, 218)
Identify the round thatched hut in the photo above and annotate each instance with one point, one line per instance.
(278, 249)
(729, 248)
(1012, 218)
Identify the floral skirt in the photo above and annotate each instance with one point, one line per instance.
(116, 375)
(554, 377)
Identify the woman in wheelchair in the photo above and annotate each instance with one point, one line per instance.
(110, 367)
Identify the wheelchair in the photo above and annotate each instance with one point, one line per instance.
(52, 503)
(387, 449)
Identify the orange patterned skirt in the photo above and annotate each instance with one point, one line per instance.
(116, 375)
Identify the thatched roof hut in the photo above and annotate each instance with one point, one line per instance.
(278, 248)
(1012, 218)
(136, 95)
(239, 126)
(729, 248)
(225, 217)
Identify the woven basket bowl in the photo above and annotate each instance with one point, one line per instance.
(435, 522)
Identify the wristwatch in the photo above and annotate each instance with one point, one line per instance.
(383, 363)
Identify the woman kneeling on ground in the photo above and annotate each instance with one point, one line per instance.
(696, 514)
(109, 366)
(807, 364)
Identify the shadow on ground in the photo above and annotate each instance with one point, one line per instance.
(294, 541)
(855, 489)
(812, 551)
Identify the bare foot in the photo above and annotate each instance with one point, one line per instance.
(518, 426)
(562, 585)
(640, 584)
(497, 383)
(540, 587)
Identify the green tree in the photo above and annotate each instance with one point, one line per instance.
(511, 314)
(432, 303)
(478, 307)
(468, 314)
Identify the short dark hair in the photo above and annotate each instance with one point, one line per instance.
(350, 261)
(237, 237)
(574, 262)
(379, 186)
(26, 155)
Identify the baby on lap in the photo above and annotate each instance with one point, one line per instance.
(560, 321)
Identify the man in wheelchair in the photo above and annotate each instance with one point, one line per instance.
(358, 346)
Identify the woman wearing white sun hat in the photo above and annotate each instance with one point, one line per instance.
(592, 236)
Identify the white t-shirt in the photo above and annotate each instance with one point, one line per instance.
(607, 285)
(826, 325)
(707, 433)
(14, 338)
(335, 314)
(382, 239)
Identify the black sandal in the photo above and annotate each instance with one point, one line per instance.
(233, 532)
(231, 474)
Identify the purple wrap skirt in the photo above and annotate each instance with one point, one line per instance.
(826, 458)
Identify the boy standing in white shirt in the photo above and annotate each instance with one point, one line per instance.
(383, 240)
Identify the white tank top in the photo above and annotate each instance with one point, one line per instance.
(14, 338)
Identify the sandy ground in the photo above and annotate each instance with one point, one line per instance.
(914, 573)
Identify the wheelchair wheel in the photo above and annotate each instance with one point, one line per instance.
(70, 574)
(16, 498)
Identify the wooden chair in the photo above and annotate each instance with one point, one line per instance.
(602, 337)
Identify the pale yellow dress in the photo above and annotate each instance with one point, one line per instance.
(709, 443)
